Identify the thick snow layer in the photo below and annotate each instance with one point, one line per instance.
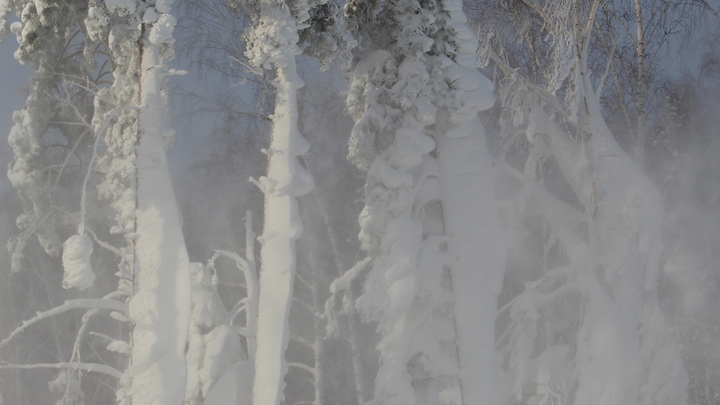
(76, 262)
(162, 29)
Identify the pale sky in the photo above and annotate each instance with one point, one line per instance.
(13, 76)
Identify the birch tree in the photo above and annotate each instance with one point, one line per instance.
(640, 36)
(608, 234)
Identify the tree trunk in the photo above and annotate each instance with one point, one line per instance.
(286, 180)
(354, 339)
(160, 303)
(641, 94)
(477, 253)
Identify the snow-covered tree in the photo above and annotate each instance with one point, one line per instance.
(429, 223)
(139, 38)
(278, 34)
(130, 117)
(580, 320)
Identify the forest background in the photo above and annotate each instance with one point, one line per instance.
(221, 108)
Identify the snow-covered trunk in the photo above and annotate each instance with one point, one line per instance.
(318, 342)
(285, 181)
(252, 287)
(314, 281)
(475, 237)
(477, 253)
(341, 265)
(430, 221)
(358, 368)
(361, 387)
(160, 303)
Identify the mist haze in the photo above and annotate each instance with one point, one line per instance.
(576, 225)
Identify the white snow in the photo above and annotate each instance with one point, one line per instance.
(76, 262)
(161, 31)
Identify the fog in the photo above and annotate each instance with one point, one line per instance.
(220, 111)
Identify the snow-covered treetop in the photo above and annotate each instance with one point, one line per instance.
(397, 41)
(121, 23)
(5, 10)
(315, 27)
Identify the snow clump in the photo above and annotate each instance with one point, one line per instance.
(76, 263)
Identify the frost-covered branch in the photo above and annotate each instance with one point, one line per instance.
(89, 367)
(343, 282)
(297, 338)
(84, 303)
(303, 366)
(105, 245)
(250, 302)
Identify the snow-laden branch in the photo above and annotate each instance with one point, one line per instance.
(532, 300)
(85, 303)
(90, 367)
(344, 281)
(303, 366)
(300, 339)
(86, 322)
(247, 267)
(532, 285)
(105, 245)
(243, 265)
(300, 303)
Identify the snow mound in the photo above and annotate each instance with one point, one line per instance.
(76, 262)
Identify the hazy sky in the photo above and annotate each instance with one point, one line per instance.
(13, 76)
